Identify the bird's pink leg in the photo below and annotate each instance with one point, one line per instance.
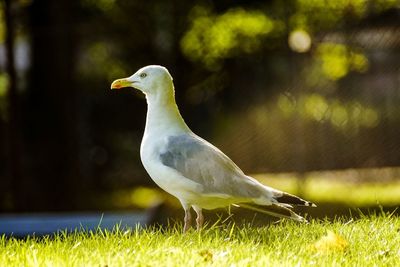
(187, 220)
(200, 217)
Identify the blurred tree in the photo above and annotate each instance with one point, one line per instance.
(50, 111)
(13, 137)
(279, 86)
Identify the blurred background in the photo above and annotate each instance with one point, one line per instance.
(303, 94)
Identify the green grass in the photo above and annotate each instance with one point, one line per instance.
(371, 241)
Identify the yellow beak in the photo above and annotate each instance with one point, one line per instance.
(121, 83)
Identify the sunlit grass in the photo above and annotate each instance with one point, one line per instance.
(370, 241)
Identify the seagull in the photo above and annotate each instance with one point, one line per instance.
(188, 167)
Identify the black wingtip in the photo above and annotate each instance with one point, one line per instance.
(308, 204)
(275, 210)
(294, 200)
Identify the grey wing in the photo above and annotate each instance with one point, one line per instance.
(201, 162)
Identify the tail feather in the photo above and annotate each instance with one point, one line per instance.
(276, 210)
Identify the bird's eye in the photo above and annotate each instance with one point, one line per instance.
(143, 75)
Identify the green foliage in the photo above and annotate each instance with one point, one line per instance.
(99, 61)
(3, 75)
(319, 15)
(372, 240)
(2, 26)
(213, 37)
(103, 5)
(3, 91)
(349, 117)
(338, 60)
(3, 84)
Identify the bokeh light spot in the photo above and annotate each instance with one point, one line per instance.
(299, 41)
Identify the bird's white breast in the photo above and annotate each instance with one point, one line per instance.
(165, 177)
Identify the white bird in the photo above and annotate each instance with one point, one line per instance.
(190, 168)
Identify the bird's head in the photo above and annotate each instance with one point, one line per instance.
(149, 80)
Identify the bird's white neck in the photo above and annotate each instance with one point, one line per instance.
(163, 116)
